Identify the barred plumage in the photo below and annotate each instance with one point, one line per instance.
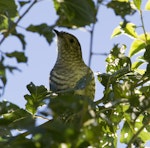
(70, 69)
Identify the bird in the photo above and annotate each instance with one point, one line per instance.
(70, 73)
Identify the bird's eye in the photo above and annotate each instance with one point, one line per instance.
(71, 40)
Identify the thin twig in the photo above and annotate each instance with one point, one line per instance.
(143, 27)
(91, 44)
(16, 23)
(103, 54)
(91, 37)
(42, 117)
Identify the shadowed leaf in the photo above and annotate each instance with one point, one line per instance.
(44, 30)
(75, 13)
(20, 56)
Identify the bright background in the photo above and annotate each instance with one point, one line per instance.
(42, 56)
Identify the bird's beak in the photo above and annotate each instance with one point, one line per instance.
(57, 32)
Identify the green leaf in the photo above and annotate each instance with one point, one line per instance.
(104, 79)
(146, 90)
(135, 65)
(22, 3)
(138, 44)
(20, 56)
(147, 6)
(117, 61)
(3, 78)
(129, 29)
(147, 53)
(6, 106)
(144, 134)
(125, 28)
(12, 68)
(11, 116)
(147, 117)
(67, 102)
(3, 23)
(36, 97)
(147, 69)
(3, 133)
(120, 90)
(43, 30)
(18, 118)
(121, 8)
(140, 71)
(75, 13)
(126, 133)
(137, 3)
(8, 8)
(116, 32)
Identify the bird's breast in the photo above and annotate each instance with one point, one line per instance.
(66, 78)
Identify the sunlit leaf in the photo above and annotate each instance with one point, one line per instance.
(138, 44)
(147, 6)
(140, 71)
(125, 28)
(3, 23)
(116, 32)
(129, 29)
(36, 97)
(137, 3)
(135, 65)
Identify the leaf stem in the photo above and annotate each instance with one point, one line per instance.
(143, 27)
(42, 117)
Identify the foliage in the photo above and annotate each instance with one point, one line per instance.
(71, 120)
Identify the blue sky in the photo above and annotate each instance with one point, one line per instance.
(42, 56)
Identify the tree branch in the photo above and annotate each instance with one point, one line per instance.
(16, 23)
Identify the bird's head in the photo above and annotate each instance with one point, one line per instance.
(68, 46)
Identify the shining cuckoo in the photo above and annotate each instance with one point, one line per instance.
(70, 73)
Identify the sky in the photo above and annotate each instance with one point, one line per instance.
(42, 56)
